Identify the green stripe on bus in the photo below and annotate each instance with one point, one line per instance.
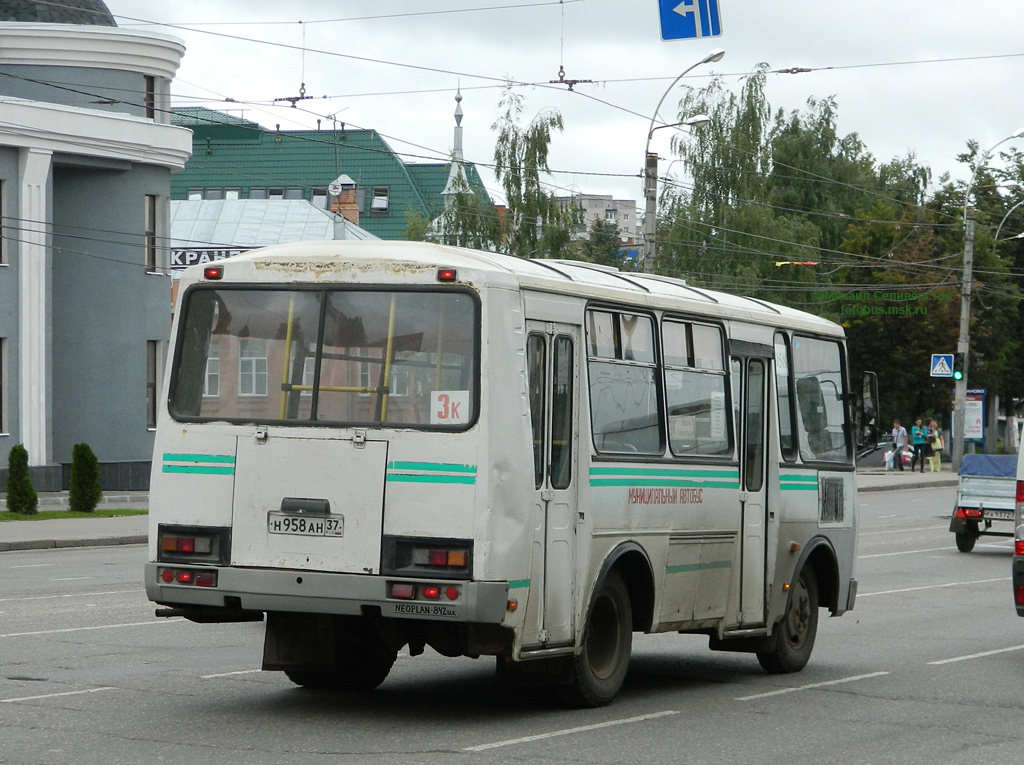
(424, 478)
(663, 482)
(518, 584)
(442, 467)
(666, 472)
(691, 567)
(799, 478)
(199, 469)
(199, 458)
(800, 487)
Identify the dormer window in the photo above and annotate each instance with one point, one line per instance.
(380, 200)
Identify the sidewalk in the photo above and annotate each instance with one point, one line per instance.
(77, 532)
(132, 529)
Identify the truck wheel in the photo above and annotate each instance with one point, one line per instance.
(793, 638)
(599, 669)
(965, 541)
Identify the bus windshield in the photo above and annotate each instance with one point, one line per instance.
(350, 357)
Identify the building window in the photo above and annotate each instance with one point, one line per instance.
(3, 385)
(252, 367)
(194, 194)
(294, 193)
(320, 198)
(275, 193)
(152, 372)
(611, 214)
(149, 99)
(232, 193)
(380, 201)
(211, 384)
(213, 194)
(257, 194)
(151, 244)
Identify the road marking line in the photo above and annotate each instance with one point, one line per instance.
(568, 731)
(55, 695)
(67, 595)
(812, 686)
(80, 629)
(34, 565)
(890, 532)
(979, 655)
(72, 578)
(905, 552)
(931, 587)
(227, 674)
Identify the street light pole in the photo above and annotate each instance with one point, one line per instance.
(963, 344)
(651, 165)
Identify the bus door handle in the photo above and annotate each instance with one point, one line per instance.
(547, 494)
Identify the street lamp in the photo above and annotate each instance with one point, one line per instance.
(651, 163)
(964, 341)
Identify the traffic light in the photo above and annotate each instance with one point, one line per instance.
(958, 366)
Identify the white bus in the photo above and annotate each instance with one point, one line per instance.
(387, 444)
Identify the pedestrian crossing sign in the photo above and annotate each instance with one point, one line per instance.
(942, 365)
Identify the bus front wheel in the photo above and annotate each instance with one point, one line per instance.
(794, 634)
(599, 669)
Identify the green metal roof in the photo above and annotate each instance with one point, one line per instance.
(233, 153)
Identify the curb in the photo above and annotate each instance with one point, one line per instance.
(915, 485)
(51, 544)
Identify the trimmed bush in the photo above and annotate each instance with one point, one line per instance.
(21, 497)
(85, 491)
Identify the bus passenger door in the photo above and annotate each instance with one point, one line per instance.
(553, 382)
(750, 379)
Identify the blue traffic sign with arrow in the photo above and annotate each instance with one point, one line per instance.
(689, 19)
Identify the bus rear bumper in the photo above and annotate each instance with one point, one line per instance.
(258, 590)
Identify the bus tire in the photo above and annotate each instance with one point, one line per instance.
(794, 635)
(965, 540)
(358, 667)
(600, 667)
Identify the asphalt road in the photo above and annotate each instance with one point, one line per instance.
(929, 668)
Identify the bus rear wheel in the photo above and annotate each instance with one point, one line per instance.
(361, 663)
(794, 634)
(599, 669)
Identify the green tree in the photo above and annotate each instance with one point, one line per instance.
(85, 491)
(533, 223)
(603, 244)
(21, 497)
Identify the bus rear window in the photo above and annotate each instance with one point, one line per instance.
(351, 357)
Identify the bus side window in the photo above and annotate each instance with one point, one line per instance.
(536, 368)
(561, 413)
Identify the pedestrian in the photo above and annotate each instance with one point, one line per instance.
(899, 443)
(936, 445)
(918, 444)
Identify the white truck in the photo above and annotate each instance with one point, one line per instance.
(986, 496)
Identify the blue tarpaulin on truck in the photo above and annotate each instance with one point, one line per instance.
(997, 465)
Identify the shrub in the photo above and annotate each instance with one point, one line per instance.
(21, 497)
(85, 491)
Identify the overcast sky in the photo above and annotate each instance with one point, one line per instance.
(921, 76)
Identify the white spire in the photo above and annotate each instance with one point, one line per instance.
(457, 175)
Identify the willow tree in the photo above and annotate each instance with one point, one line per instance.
(534, 224)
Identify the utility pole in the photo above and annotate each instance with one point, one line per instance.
(651, 214)
(963, 344)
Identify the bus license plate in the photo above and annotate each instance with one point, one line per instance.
(306, 525)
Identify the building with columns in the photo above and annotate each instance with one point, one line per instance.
(86, 155)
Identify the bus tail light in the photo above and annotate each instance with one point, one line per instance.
(193, 544)
(1018, 512)
(1018, 593)
(412, 591)
(188, 577)
(427, 558)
